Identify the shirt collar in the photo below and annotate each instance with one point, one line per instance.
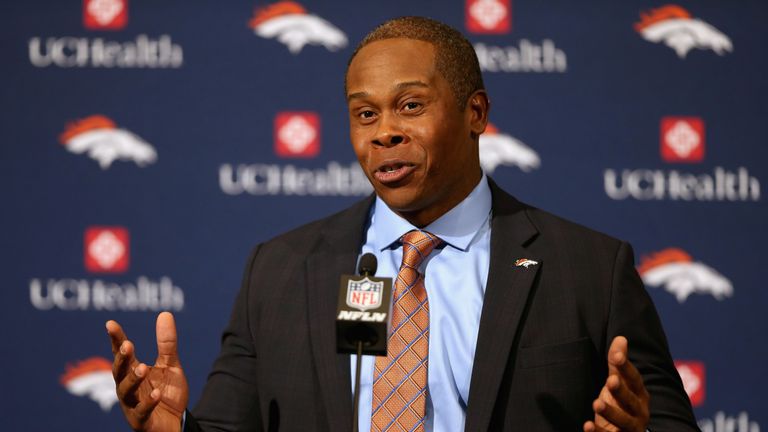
(457, 227)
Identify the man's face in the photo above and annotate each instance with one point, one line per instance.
(411, 139)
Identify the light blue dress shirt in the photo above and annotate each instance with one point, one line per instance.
(455, 280)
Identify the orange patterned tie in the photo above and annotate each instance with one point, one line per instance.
(400, 379)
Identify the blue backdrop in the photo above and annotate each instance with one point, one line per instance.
(147, 146)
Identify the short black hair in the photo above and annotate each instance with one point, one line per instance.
(455, 58)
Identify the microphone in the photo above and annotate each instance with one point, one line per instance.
(363, 318)
(368, 265)
(363, 312)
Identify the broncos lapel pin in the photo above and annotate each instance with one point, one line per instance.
(525, 262)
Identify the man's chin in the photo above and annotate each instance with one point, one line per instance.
(402, 200)
(399, 200)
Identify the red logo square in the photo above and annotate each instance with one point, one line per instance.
(682, 139)
(297, 134)
(105, 14)
(692, 374)
(106, 249)
(488, 16)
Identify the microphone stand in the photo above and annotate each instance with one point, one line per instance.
(367, 268)
(356, 407)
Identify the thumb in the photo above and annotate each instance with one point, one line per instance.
(617, 354)
(167, 354)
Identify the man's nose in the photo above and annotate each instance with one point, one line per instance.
(389, 132)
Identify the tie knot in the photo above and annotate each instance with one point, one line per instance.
(417, 245)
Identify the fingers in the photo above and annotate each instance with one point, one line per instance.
(167, 354)
(623, 401)
(126, 389)
(122, 350)
(125, 360)
(630, 409)
(628, 400)
(619, 364)
(144, 408)
(615, 415)
(116, 335)
(590, 426)
(617, 353)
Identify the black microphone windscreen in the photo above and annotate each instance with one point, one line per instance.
(368, 265)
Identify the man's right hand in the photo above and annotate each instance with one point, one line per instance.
(153, 398)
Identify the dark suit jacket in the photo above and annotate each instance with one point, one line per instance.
(541, 350)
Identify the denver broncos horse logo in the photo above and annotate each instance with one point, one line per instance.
(676, 271)
(99, 137)
(92, 378)
(675, 27)
(497, 149)
(289, 23)
(525, 262)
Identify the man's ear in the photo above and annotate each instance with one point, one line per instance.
(477, 109)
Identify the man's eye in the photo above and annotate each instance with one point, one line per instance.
(410, 106)
(367, 114)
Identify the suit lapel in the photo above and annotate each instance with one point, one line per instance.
(336, 254)
(505, 298)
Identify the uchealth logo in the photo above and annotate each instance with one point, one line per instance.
(297, 134)
(141, 51)
(675, 270)
(494, 17)
(497, 148)
(526, 56)
(723, 422)
(144, 52)
(682, 139)
(105, 14)
(692, 373)
(332, 179)
(100, 138)
(675, 27)
(106, 249)
(91, 378)
(719, 184)
(488, 16)
(290, 24)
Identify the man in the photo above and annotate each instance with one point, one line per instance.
(505, 317)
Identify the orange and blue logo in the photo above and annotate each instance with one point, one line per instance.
(99, 137)
(498, 148)
(290, 24)
(676, 28)
(675, 270)
(91, 378)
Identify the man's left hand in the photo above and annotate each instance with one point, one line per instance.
(623, 401)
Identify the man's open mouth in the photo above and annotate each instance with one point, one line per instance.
(393, 171)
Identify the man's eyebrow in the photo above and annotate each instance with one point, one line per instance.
(358, 95)
(398, 86)
(407, 84)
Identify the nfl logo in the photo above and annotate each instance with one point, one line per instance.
(364, 294)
